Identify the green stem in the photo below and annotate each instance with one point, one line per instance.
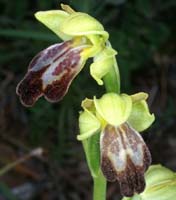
(112, 84)
(92, 145)
(99, 189)
(112, 78)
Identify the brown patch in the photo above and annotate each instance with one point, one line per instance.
(106, 166)
(131, 179)
(68, 68)
(30, 88)
(71, 60)
(56, 91)
(48, 55)
(107, 169)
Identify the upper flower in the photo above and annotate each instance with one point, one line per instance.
(68, 24)
(124, 155)
(51, 71)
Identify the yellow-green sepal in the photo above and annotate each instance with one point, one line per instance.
(113, 108)
(102, 64)
(157, 174)
(53, 20)
(160, 185)
(88, 125)
(82, 24)
(140, 117)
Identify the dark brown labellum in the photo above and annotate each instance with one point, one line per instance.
(124, 157)
(50, 73)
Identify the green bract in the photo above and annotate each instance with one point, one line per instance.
(115, 110)
(102, 64)
(160, 185)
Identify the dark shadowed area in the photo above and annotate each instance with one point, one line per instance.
(143, 33)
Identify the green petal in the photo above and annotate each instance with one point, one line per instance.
(140, 117)
(113, 108)
(102, 64)
(82, 24)
(53, 19)
(139, 96)
(88, 104)
(67, 8)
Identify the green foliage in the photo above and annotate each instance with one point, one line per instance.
(6, 192)
(137, 30)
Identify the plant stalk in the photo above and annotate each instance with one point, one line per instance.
(112, 84)
(99, 189)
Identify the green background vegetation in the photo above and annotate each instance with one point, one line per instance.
(143, 33)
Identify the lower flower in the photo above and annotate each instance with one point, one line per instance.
(122, 154)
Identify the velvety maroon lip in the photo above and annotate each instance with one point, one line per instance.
(131, 175)
(31, 87)
(49, 55)
(60, 63)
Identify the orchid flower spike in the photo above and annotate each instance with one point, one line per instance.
(124, 155)
(52, 70)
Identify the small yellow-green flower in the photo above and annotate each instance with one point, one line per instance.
(52, 70)
(123, 153)
(160, 185)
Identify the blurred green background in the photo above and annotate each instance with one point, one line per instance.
(143, 32)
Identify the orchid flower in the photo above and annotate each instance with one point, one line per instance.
(124, 155)
(52, 70)
(109, 126)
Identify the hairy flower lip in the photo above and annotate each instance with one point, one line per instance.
(50, 73)
(124, 157)
(35, 93)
